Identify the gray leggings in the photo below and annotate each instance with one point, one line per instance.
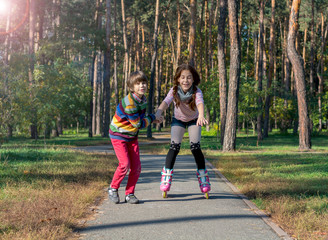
(177, 133)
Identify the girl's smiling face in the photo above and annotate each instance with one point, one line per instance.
(185, 80)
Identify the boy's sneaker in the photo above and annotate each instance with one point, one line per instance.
(131, 198)
(113, 195)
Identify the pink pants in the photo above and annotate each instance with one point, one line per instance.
(128, 157)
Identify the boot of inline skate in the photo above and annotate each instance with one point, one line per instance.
(204, 181)
(166, 181)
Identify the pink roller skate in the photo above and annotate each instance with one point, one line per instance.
(204, 182)
(166, 181)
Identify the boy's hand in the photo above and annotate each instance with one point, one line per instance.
(158, 114)
(160, 120)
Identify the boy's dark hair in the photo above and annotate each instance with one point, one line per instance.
(136, 77)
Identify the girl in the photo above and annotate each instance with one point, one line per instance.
(188, 113)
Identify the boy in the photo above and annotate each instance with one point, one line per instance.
(130, 116)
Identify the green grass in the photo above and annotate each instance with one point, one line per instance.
(45, 187)
(290, 185)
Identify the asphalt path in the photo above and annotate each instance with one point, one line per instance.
(185, 214)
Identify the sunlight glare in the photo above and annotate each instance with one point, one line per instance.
(4, 6)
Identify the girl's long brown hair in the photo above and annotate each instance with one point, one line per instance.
(196, 78)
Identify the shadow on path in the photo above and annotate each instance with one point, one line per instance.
(165, 221)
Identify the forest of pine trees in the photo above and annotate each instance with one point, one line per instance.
(263, 64)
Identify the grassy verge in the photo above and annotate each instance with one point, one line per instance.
(289, 185)
(45, 189)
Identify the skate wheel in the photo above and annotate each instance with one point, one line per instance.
(164, 194)
(206, 195)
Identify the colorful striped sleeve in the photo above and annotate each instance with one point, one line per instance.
(136, 113)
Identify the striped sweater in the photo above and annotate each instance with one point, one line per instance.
(130, 116)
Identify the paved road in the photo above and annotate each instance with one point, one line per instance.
(185, 214)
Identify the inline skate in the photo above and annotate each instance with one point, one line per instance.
(204, 182)
(166, 181)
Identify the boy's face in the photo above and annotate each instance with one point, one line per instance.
(140, 89)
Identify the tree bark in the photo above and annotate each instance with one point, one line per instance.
(271, 66)
(222, 66)
(192, 33)
(260, 73)
(99, 90)
(33, 114)
(115, 56)
(201, 41)
(177, 62)
(126, 53)
(152, 70)
(312, 50)
(229, 143)
(106, 91)
(304, 48)
(321, 66)
(7, 92)
(297, 62)
(94, 93)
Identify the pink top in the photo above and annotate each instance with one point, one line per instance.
(184, 112)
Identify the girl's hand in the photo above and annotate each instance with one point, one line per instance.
(160, 120)
(201, 121)
(158, 114)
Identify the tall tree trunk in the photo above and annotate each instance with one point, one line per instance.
(177, 62)
(222, 66)
(287, 68)
(172, 47)
(115, 56)
(296, 60)
(210, 42)
(229, 143)
(126, 53)
(256, 54)
(99, 90)
(107, 58)
(142, 47)
(137, 63)
(304, 48)
(247, 50)
(275, 89)
(312, 51)
(201, 41)
(271, 66)
(152, 69)
(240, 18)
(94, 93)
(321, 66)
(33, 113)
(91, 76)
(7, 92)
(260, 72)
(192, 32)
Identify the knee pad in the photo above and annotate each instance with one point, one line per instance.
(175, 146)
(198, 155)
(194, 146)
(172, 154)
